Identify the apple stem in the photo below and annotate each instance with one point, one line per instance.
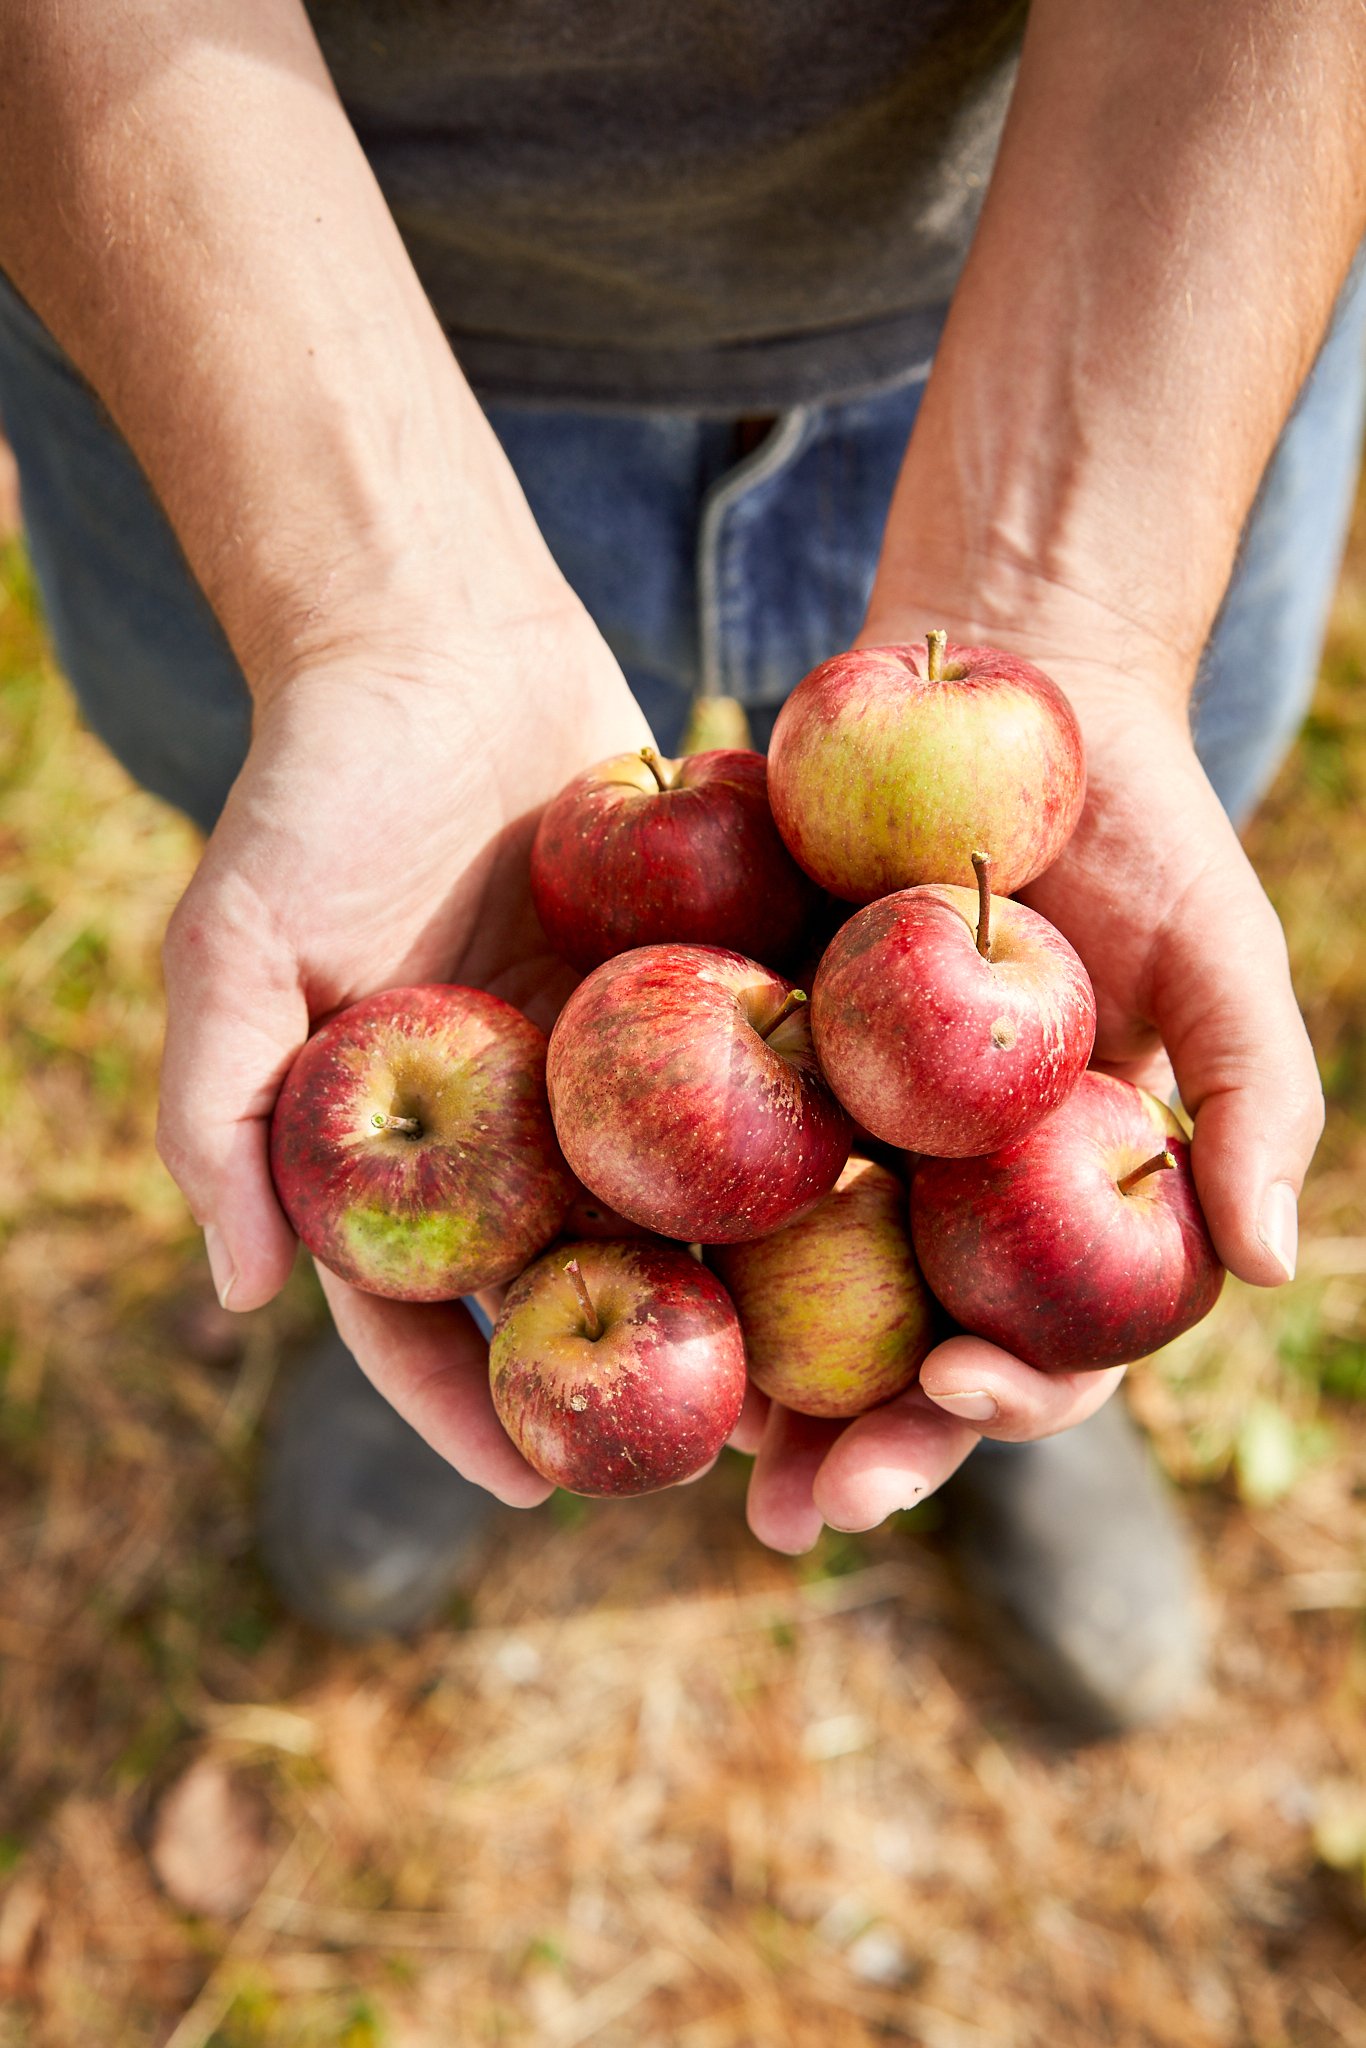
(981, 867)
(592, 1322)
(935, 643)
(662, 771)
(793, 1000)
(1156, 1164)
(410, 1124)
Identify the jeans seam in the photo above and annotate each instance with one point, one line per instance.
(717, 574)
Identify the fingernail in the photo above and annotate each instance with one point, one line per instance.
(978, 1406)
(221, 1268)
(1279, 1229)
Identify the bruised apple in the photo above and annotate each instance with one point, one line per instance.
(411, 1144)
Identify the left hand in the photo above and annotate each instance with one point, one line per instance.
(1189, 965)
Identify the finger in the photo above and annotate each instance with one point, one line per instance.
(780, 1508)
(1225, 1007)
(749, 1427)
(1000, 1397)
(432, 1365)
(235, 1017)
(892, 1457)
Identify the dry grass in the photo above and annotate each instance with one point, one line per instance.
(650, 1784)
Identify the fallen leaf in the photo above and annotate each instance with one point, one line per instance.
(210, 1841)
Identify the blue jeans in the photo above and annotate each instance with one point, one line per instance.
(697, 565)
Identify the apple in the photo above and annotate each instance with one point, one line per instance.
(686, 1094)
(1081, 1244)
(950, 1022)
(617, 1368)
(835, 1314)
(891, 766)
(640, 850)
(411, 1144)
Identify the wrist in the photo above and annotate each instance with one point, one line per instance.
(411, 624)
(1109, 664)
(409, 547)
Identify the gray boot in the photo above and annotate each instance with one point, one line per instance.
(363, 1529)
(1075, 1546)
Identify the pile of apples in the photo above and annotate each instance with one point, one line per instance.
(751, 1148)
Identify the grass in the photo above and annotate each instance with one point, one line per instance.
(647, 1784)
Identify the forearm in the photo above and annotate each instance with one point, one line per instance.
(1179, 192)
(183, 201)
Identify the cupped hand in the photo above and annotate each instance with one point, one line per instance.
(377, 836)
(1192, 980)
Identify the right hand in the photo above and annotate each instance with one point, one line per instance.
(377, 836)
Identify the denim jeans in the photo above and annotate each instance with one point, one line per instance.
(699, 566)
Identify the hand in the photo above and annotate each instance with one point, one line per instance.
(378, 835)
(1191, 978)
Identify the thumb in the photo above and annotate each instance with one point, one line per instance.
(235, 1016)
(1225, 1007)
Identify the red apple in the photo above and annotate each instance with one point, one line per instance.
(835, 1314)
(891, 766)
(617, 1367)
(1082, 1244)
(640, 850)
(412, 1147)
(949, 1021)
(686, 1094)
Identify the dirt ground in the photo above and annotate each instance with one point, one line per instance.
(645, 1783)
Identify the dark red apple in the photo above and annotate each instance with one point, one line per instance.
(949, 1021)
(686, 1094)
(835, 1314)
(411, 1144)
(891, 766)
(639, 850)
(1082, 1244)
(617, 1368)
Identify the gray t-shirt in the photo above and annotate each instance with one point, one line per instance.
(722, 205)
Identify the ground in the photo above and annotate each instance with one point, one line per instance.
(646, 1783)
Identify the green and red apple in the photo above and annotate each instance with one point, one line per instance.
(411, 1144)
(835, 1313)
(891, 766)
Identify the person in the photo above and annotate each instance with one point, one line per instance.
(696, 264)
